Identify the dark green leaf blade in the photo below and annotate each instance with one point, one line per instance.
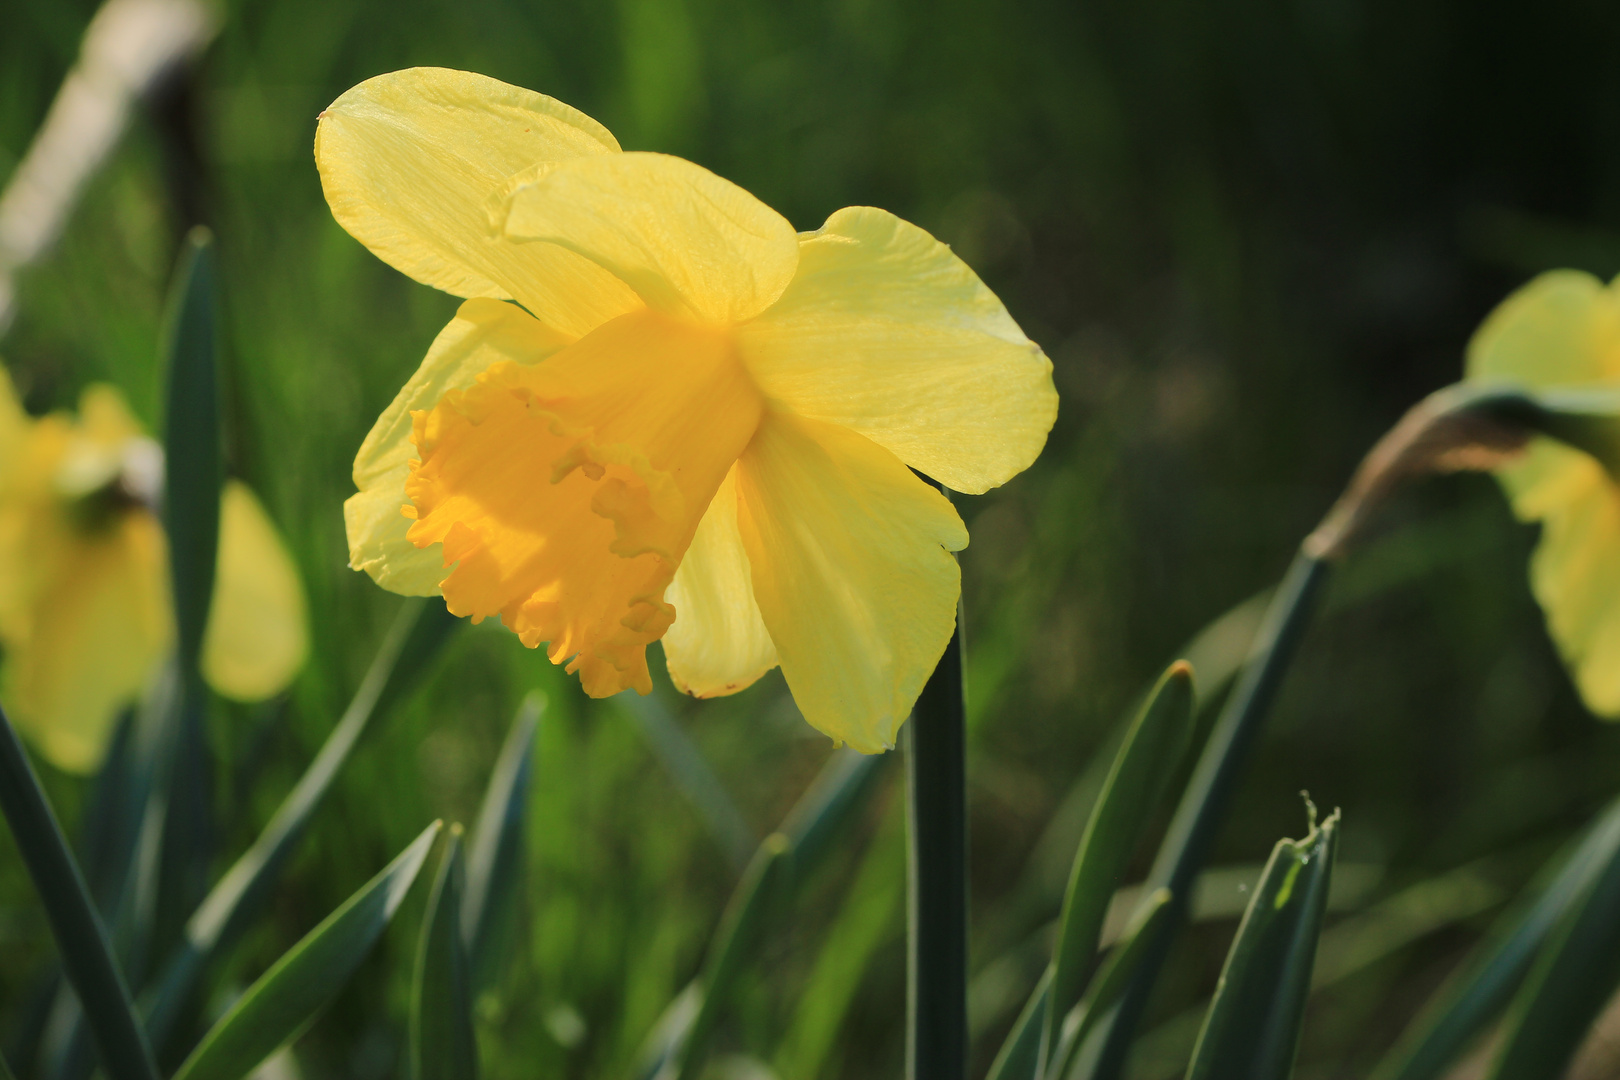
(81, 939)
(1573, 978)
(1147, 921)
(193, 468)
(1019, 1056)
(1251, 1031)
(1471, 998)
(937, 873)
(193, 465)
(845, 785)
(1153, 749)
(278, 1007)
(841, 789)
(761, 887)
(1204, 802)
(495, 862)
(418, 631)
(443, 1046)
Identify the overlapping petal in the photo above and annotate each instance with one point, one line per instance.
(565, 493)
(408, 160)
(885, 331)
(852, 570)
(687, 241)
(483, 333)
(1564, 328)
(718, 643)
(258, 627)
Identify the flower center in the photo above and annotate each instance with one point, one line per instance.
(565, 493)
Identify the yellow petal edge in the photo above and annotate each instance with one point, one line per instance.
(1564, 328)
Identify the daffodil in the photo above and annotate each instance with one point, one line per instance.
(85, 609)
(662, 413)
(1563, 329)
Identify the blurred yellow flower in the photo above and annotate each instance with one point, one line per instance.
(1563, 328)
(85, 610)
(693, 424)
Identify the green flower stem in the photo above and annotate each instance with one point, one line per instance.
(936, 997)
(1203, 805)
(82, 940)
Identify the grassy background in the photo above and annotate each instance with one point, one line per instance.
(1249, 234)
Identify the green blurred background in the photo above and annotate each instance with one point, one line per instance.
(1249, 234)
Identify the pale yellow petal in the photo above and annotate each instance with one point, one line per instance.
(565, 493)
(718, 643)
(689, 242)
(851, 562)
(258, 628)
(408, 161)
(1564, 328)
(13, 426)
(483, 333)
(884, 330)
(97, 636)
(1575, 575)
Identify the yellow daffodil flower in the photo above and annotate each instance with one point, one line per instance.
(1563, 328)
(689, 423)
(85, 609)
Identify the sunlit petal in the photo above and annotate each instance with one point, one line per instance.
(884, 330)
(483, 333)
(718, 643)
(408, 160)
(565, 493)
(258, 633)
(852, 569)
(689, 242)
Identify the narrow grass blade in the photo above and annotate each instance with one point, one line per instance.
(1104, 992)
(844, 786)
(81, 939)
(936, 786)
(5, 1070)
(691, 773)
(1203, 804)
(1482, 988)
(1573, 978)
(193, 470)
(1019, 1056)
(871, 916)
(839, 791)
(442, 1043)
(1153, 750)
(1251, 1031)
(762, 886)
(495, 862)
(416, 635)
(276, 1009)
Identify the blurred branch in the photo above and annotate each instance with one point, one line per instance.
(130, 49)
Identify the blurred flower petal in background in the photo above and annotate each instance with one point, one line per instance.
(1563, 329)
(258, 628)
(85, 608)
